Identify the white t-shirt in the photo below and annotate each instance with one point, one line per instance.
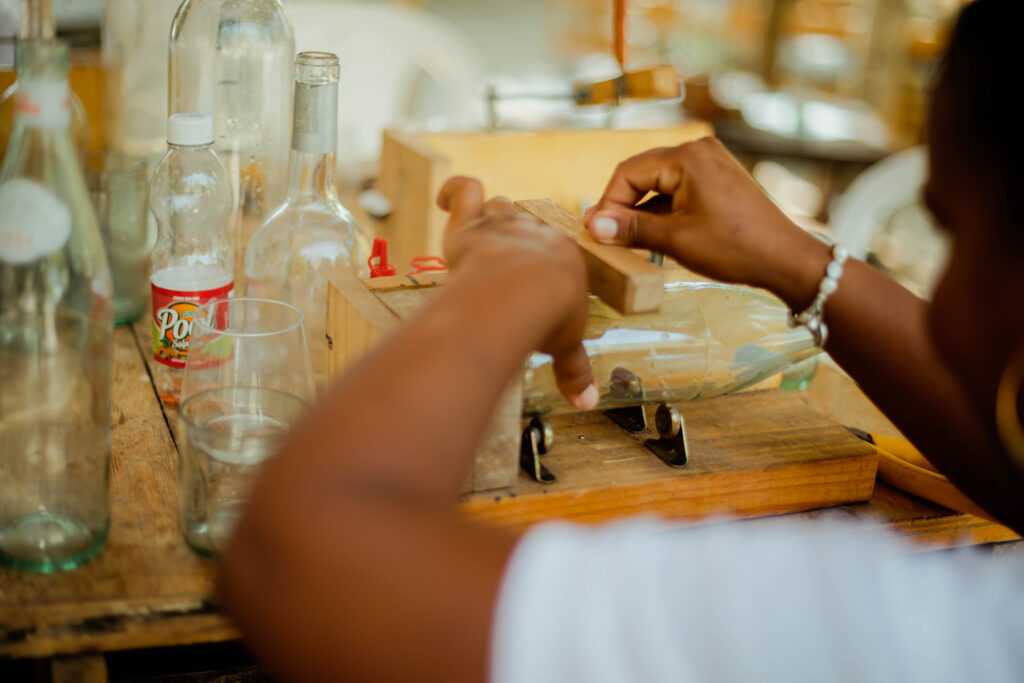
(768, 600)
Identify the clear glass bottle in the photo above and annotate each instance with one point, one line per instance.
(233, 59)
(55, 333)
(135, 43)
(709, 339)
(191, 262)
(311, 238)
(37, 24)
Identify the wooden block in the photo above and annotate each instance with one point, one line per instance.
(626, 281)
(421, 280)
(750, 455)
(411, 175)
(361, 312)
(570, 167)
(356, 320)
(659, 82)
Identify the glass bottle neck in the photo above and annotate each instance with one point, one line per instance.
(314, 143)
(37, 22)
(311, 178)
(43, 97)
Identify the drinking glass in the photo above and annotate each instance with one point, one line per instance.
(248, 342)
(225, 434)
(120, 196)
(247, 379)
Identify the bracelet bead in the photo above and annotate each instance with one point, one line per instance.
(813, 317)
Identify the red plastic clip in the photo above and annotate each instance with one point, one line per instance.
(380, 253)
(425, 263)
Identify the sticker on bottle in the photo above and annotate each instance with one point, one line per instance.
(173, 312)
(34, 222)
(43, 104)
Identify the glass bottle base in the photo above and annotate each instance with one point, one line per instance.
(49, 542)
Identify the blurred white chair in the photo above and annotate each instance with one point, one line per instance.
(882, 215)
(875, 195)
(399, 65)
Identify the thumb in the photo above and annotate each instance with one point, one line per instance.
(462, 198)
(575, 378)
(633, 228)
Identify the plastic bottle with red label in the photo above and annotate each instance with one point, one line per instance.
(192, 261)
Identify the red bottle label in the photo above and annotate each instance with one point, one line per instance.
(172, 320)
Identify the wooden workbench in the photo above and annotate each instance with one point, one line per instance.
(147, 589)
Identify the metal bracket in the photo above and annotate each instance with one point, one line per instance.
(625, 387)
(671, 448)
(536, 441)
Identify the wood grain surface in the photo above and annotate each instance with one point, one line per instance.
(626, 281)
(751, 454)
(146, 587)
(835, 395)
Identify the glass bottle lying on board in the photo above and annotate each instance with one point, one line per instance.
(708, 340)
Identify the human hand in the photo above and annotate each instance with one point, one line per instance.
(495, 240)
(709, 215)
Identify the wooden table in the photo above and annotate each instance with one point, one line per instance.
(147, 589)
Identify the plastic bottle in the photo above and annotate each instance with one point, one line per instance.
(311, 238)
(192, 259)
(56, 322)
(232, 59)
(709, 339)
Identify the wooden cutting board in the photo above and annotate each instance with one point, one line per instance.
(751, 454)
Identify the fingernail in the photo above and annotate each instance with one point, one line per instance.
(587, 399)
(604, 228)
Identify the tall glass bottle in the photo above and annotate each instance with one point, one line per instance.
(135, 44)
(37, 24)
(311, 238)
(709, 339)
(56, 317)
(232, 59)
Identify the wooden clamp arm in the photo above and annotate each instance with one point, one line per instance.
(623, 279)
(647, 84)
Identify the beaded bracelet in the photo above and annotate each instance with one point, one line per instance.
(813, 317)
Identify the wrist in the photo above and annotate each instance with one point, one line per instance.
(526, 295)
(800, 271)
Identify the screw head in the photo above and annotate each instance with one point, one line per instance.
(668, 421)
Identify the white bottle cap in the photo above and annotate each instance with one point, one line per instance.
(190, 129)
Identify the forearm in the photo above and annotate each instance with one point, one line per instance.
(351, 561)
(411, 413)
(878, 333)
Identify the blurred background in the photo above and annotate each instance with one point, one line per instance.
(824, 101)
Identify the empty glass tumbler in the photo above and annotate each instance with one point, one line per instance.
(225, 435)
(248, 342)
(120, 197)
(247, 379)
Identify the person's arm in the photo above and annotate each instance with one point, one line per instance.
(351, 561)
(711, 217)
